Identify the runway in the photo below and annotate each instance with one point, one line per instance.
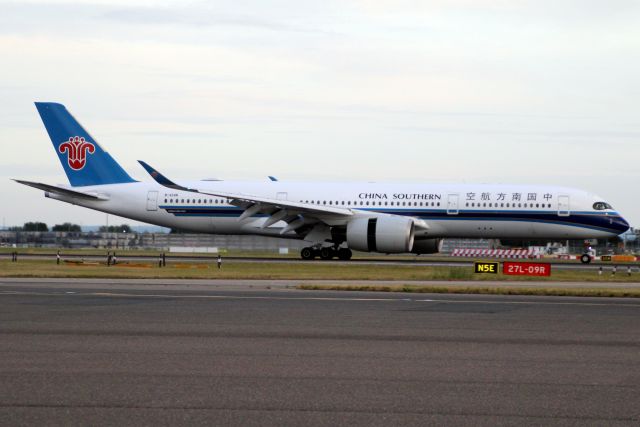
(91, 352)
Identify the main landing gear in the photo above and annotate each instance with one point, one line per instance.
(326, 253)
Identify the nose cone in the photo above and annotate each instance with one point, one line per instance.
(621, 225)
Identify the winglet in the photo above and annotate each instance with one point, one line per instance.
(273, 178)
(161, 179)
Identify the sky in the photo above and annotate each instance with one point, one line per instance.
(523, 92)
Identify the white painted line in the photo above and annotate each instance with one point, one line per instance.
(633, 304)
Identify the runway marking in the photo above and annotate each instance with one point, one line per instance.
(347, 299)
(174, 296)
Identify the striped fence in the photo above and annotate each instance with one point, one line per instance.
(496, 253)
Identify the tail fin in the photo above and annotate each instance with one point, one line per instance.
(83, 160)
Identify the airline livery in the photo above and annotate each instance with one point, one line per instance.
(333, 218)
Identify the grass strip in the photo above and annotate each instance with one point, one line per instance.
(478, 290)
(291, 271)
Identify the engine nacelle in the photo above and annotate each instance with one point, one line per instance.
(424, 245)
(385, 233)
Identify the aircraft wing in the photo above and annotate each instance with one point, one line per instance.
(293, 213)
(63, 191)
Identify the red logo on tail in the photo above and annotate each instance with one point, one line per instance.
(76, 148)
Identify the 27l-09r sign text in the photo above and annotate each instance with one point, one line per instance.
(526, 269)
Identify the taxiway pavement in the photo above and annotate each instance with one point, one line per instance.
(94, 352)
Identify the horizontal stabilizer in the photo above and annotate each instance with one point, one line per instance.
(63, 191)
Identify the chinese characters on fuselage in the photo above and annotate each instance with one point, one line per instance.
(508, 197)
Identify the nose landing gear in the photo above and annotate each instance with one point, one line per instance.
(585, 258)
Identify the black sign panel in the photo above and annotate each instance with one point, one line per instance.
(487, 267)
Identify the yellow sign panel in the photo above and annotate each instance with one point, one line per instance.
(487, 267)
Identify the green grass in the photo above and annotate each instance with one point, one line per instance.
(144, 252)
(306, 271)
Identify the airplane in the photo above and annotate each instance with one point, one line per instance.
(334, 218)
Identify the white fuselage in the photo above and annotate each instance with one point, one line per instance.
(475, 211)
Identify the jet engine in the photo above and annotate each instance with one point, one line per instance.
(384, 233)
(424, 245)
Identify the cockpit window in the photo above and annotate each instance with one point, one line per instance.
(600, 206)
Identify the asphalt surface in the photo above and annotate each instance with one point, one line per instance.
(76, 352)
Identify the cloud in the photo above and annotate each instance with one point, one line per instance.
(384, 90)
(202, 18)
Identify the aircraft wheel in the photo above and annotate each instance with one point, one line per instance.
(307, 253)
(327, 253)
(344, 254)
(585, 258)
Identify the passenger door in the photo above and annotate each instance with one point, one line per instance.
(452, 204)
(152, 201)
(564, 208)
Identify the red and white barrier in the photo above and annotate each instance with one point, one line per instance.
(497, 253)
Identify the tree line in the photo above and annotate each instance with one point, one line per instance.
(69, 227)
